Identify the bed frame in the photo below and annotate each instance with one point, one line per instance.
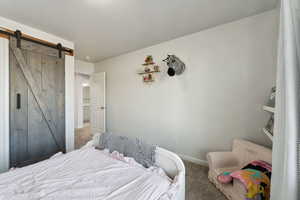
(170, 162)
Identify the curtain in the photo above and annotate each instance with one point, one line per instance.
(286, 148)
(4, 105)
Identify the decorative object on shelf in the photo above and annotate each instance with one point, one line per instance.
(149, 70)
(271, 101)
(156, 68)
(148, 78)
(270, 125)
(267, 133)
(176, 66)
(149, 61)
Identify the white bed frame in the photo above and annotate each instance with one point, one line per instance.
(173, 166)
(170, 162)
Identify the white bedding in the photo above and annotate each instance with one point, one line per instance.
(87, 174)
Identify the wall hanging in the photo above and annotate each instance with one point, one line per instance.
(176, 66)
(149, 69)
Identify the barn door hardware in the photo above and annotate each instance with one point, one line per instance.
(19, 36)
(60, 48)
(18, 101)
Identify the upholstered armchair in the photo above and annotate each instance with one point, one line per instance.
(243, 152)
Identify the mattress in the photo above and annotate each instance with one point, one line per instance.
(87, 174)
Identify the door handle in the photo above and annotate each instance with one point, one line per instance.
(18, 101)
(102, 107)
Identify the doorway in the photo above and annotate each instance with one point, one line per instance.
(86, 105)
(90, 107)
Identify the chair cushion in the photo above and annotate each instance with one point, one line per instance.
(234, 190)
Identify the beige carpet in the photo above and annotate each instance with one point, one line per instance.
(198, 186)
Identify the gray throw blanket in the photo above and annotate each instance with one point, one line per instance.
(142, 153)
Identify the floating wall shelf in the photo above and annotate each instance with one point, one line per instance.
(269, 109)
(149, 81)
(272, 111)
(149, 69)
(142, 73)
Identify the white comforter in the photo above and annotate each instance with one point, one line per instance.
(86, 174)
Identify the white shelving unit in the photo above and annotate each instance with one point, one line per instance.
(268, 134)
(272, 111)
(269, 109)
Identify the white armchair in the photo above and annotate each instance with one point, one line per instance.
(243, 152)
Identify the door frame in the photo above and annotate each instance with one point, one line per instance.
(4, 104)
(4, 101)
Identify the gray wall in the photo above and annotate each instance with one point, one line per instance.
(230, 71)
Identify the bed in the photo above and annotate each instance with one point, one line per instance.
(90, 174)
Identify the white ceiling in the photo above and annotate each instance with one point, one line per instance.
(106, 28)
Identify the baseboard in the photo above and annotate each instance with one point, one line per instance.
(194, 160)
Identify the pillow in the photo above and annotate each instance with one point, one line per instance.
(256, 182)
(260, 166)
(142, 153)
(255, 177)
(112, 142)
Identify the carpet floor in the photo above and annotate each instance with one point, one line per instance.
(198, 186)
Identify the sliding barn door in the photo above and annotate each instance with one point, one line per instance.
(37, 103)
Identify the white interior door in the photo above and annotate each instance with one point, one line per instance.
(97, 92)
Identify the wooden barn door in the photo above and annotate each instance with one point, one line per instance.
(37, 103)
